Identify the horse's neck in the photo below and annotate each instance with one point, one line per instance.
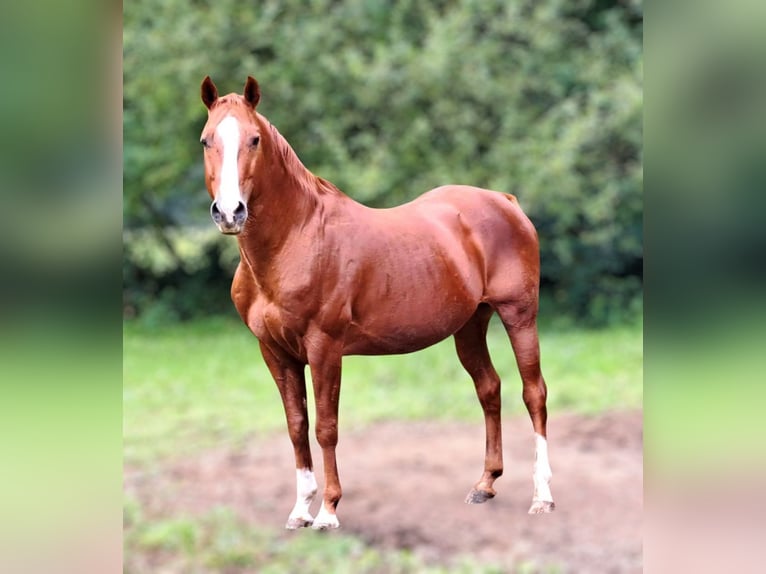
(285, 164)
(286, 198)
(278, 209)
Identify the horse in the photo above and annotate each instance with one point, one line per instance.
(322, 276)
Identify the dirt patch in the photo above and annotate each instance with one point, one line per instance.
(404, 486)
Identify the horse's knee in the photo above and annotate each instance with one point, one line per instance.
(297, 427)
(327, 435)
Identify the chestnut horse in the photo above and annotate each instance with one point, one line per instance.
(322, 276)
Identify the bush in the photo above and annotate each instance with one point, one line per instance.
(541, 99)
(179, 274)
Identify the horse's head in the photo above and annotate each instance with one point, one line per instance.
(231, 139)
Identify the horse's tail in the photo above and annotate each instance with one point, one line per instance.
(524, 219)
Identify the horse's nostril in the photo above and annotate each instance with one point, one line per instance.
(229, 220)
(240, 213)
(215, 212)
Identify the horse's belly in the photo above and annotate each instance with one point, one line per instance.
(403, 331)
(389, 346)
(404, 311)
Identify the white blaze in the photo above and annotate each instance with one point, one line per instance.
(228, 195)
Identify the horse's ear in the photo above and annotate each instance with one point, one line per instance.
(209, 92)
(252, 91)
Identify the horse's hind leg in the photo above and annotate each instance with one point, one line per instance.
(520, 322)
(471, 345)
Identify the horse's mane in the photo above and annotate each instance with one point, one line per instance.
(294, 166)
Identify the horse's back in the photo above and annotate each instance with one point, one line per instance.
(497, 233)
(472, 199)
(482, 238)
(491, 216)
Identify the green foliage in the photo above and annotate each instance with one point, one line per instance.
(541, 99)
(177, 274)
(193, 386)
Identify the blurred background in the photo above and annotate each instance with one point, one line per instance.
(60, 286)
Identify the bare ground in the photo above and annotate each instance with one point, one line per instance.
(404, 486)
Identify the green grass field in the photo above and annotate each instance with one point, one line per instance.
(219, 542)
(191, 387)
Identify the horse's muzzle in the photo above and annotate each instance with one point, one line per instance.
(229, 223)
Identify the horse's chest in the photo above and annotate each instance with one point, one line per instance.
(276, 325)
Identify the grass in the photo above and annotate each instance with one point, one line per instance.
(188, 387)
(191, 387)
(219, 542)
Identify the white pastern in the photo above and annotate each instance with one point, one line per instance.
(228, 195)
(306, 490)
(325, 519)
(542, 473)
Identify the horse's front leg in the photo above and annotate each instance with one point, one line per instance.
(290, 378)
(325, 365)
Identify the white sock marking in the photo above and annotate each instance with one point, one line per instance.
(542, 473)
(228, 195)
(325, 519)
(306, 489)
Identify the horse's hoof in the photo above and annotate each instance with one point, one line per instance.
(541, 507)
(478, 496)
(326, 524)
(325, 521)
(296, 522)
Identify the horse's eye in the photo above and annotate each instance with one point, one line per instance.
(204, 142)
(254, 141)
